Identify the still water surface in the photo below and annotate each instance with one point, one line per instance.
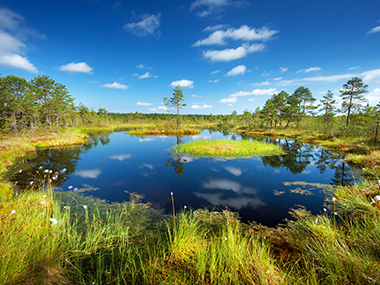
(256, 188)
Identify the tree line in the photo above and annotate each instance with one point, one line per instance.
(41, 102)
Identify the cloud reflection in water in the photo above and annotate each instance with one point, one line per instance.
(88, 173)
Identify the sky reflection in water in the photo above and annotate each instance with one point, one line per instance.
(117, 162)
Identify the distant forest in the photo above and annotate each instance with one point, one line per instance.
(44, 103)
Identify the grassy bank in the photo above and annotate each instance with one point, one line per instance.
(224, 148)
(164, 131)
(362, 151)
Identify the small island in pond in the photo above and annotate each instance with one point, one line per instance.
(227, 149)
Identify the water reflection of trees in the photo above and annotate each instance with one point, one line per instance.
(54, 165)
(300, 155)
(176, 161)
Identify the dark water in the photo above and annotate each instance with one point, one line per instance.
(112, 163)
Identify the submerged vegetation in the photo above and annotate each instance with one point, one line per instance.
(224, 148)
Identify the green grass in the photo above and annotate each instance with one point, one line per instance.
(164, 131)
(224, 148)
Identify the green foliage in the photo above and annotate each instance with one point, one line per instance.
(352, 95)
(175, 101)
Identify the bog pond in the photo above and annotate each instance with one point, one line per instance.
(261, 189)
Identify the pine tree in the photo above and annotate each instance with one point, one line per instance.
(175, 101)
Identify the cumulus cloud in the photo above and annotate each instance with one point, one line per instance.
(147, 26)
(121, 157)
(374, 30)
(88, 173)
(374, 97)
(228, 100)
(263, 83)
(283, 69)
(225, 184)
(182, 83)
(213, 28)
(17, 61)
(232, 54)
(144, 104)
(13, 37)
(234, 170)
(240, 69)
(244, 33)
(313, 69)
(209, 7)
(200, 106)
(76, 67)
(256, 92)
(115, 85)
(146, 75)
(370, 76)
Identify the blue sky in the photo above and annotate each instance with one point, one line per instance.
(227, 55)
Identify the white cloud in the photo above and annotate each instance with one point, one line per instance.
(240, 69)
(216, 71)
(263, 83)
(283, 69)
(353, 67)
(147, 26)
(374, 30)
(244, 33)
(88, 173)
(121, 157)
(76, 67)
(256, 92)
(13, 37)
(115, 85)
(214, 81)
(146, 75)
(371, 76)
(196, 96)
(233, 170)
(312, 69)
(232, 54)
(144, 104)
(209, 7)
(153, 109)
(182, 83)
(143, 66)
(16, 61)
(225, 184)
(235, 203)
(213, 28)
(163, 108)
(228, 100)
(374, 97)
(277, 78)
(150, 166)
(200, 106)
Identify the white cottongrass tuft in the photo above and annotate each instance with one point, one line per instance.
(377, 198)
(324, 210)
(13, 212)
(316, 221)
(44, 196)
(70, 187)
(54, 221)
(85, 207)
(43, 202)
(225, 238)
(334, 199)
(20, 171)
(171, 193)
